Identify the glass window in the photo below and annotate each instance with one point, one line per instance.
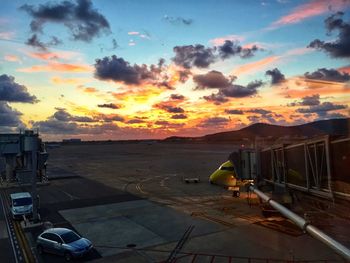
(22, 201)
(70, 237)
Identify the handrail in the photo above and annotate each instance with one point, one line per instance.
(304, 225)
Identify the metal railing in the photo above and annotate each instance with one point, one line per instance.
(304, 225)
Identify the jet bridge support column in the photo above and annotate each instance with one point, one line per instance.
(304, 225)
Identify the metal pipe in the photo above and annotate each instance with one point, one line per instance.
(305, 226)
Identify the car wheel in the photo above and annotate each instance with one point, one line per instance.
(40, 250)
(68, 256)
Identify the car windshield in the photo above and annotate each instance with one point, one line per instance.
(70, 237)
(22, 201)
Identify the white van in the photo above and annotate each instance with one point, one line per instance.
(21, 204)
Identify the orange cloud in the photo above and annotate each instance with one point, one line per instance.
(345, 69)
(256, 65)
(269, 61)
(12, 58)
(72, 81)
(310, 9)
(306, 87)
(57, 67)
(87, 89)
(221, 40)
(53, 55)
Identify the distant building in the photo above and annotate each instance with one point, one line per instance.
(73, 140)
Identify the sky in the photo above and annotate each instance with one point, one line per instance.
(133, 69)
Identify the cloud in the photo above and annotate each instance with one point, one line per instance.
(120, 70)
(169, 108)
(57, 67)
(193, 55)
(80, 18)
(178, 20)
(35, 42)
(322, 109)
(8, 116)
(239, 91)
(233, 111)
(221, 40)
(179, 116)
(212, 80)
(217, 98)
(328, 75)
(7, 35)
(135, 121)
(230, 48)
(259, 111)
(339, 48)
(11, 91)
(62, 115)
(310, 100)
(177, 97)
(255, 66)
(12, 58)
(276, 76)
(307, 10)
(214, 121)
(112, 117)
(109, 105)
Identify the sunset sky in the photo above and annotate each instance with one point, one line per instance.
(135, 69)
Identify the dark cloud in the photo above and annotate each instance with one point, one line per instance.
(109, 105)
(13, 92)
(259, 111)
(239, 91)
(328, 75)
(216, 98)
(177, 97)
(322, 109)
(212, 80)
(9, 117)
(135, 121)
(178, 20)
(83, 21)
(169, 108)
(64, 116)
(120, 70)
(231, 48)
(193, 55)
(110, 118)
(237, 112)
(179, 116)
(35, 42)
(340, 47)
(62, 122)
(307, 101)
(276, 76)
(310, 100)
(167, 124)
(214, 122)
(54, 126)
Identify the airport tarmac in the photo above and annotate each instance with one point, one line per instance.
(131, 201)
(122, 194)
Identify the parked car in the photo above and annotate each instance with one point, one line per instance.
(64, 242)
(21, 205)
